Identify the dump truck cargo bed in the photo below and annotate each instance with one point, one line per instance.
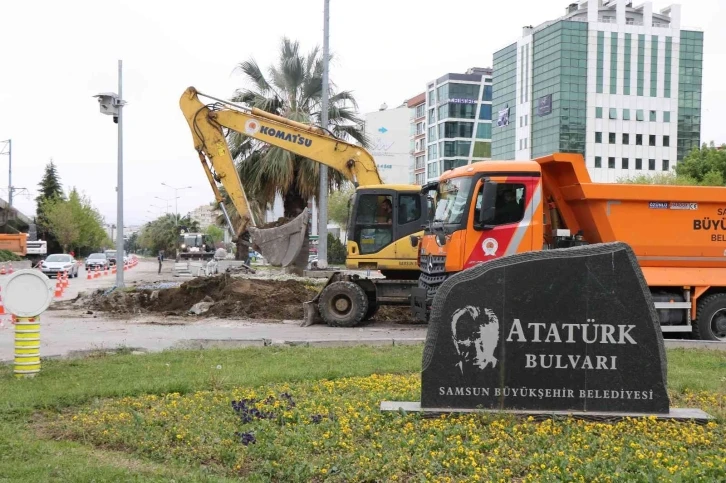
(666, 225)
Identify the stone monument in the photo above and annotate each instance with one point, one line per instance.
(571, 330)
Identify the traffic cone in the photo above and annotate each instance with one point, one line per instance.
(64, 281)
(89, 274)
(105, 270)
(113, 270)
(2, 270)
(97, 273)
(58, 289)
(2, 306)
(10, 270)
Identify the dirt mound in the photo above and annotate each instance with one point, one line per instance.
(238, 298)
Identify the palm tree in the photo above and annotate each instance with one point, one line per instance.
(291, 89)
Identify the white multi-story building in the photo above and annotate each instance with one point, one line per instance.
(388, 132)
(617, 83)
(417, 160)
(458, 120)
(205, 215)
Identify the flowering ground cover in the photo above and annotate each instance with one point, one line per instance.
(240, 418)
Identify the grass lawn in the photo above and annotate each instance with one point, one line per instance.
(307, 414)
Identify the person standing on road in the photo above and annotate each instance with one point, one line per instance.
(159, 258)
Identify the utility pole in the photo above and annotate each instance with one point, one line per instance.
(323, 197)
(120, 188)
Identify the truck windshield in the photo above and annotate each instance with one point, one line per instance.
(451, 202)
(191, 240)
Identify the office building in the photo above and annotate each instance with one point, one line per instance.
(458, 123)
(417, 160)
(618, 83)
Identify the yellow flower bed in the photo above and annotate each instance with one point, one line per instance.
(333, 430)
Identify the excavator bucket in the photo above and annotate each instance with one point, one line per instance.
(281, 245)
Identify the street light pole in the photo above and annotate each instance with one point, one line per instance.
(112, 104)
(176, 202)
(323, 197)
(120, 187)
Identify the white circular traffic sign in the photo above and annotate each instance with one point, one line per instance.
(27, 293)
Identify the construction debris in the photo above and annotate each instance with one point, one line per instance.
(262, 296)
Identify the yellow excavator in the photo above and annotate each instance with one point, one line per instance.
(382, 219)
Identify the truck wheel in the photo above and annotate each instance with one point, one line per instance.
(343, 304)
(711, 319)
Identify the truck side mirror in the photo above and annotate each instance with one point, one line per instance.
(488, 203)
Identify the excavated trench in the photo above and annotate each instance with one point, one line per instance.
(226, 297)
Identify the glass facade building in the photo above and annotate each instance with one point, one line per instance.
(620, 85)
(458, 120)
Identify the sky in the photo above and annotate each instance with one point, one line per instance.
(57, 55)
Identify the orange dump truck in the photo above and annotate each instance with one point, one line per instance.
(492, 209)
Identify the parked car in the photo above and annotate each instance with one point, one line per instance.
(59, 263)
(97, 260)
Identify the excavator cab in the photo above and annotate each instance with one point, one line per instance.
(382, 218)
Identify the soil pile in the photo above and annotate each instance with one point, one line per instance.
(232, 297)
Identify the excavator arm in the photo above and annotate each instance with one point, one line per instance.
(279, 245)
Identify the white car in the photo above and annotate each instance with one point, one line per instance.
(58, 263)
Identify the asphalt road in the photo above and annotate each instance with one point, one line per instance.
(67, 332)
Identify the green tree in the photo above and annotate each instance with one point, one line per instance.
(338, 205)
(292, 89)
(91, 234)
(216, 233)
(706, 165)
(61, 223)
(50, 191)
(336, 250)
(163, 233)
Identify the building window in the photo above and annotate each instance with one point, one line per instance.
(600, 61)
(626, 114)
(667, 116)
(420, 110)
(625, 163)
(613, 113)
(654, 66)
(626, 64)
(432, 116)
(456, 148)
(638, 139)
(487, 94)
(611, 163)
(639, 115)
(613, 63)
(484, 149)
(626, 138)
(651, 140)
(666, 140)
(484, 130)
(651, 164)
(598, 112)
(611, 138)
(432, 101)
(641, 65)
(420, 162)
(526, 121)
(638, 163)
(456, 129)
(667, 80)
(485, 112)
(665, 165)
(432, 133)
(598, 162)
(598, 137)
(652, 116)
(432, 152)
(419, 128)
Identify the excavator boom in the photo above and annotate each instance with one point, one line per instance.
(280, 245)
